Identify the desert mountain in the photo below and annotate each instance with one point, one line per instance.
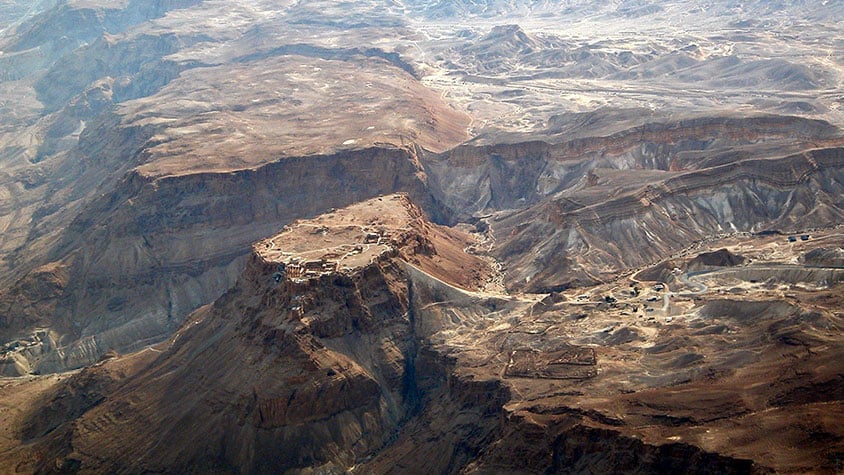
(361, 341)
(527, 233)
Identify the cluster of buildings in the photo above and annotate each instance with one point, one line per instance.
(20, 344)
(297, 267)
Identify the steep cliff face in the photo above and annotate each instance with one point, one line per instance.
(549, 206)
(61, 141)
(153, 250)
(669, 185)
(346, 346)
(309, 399)
(332, 359)
(478, 180)
(789, 194)
(34, 298)
(49, 203)
(151, 216)
(146, 145)
(152, 160)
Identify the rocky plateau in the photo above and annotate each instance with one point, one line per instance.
(421, 236)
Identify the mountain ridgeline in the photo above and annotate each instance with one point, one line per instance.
(421, 236)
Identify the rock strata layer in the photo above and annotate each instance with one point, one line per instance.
(355, 342)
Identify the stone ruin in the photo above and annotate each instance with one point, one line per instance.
(569, 362)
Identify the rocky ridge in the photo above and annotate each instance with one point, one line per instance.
(315, 379)
(364, 357)
(119, 174)
(146, 150)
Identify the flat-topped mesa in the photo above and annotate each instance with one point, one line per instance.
(346, 240)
